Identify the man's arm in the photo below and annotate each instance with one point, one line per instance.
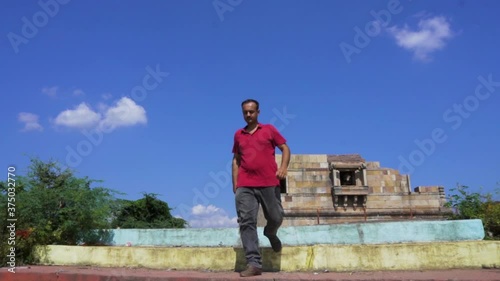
(285, 160)
(236, 165)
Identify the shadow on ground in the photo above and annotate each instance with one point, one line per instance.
(271, 261)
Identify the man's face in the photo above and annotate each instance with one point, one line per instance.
(250, 113)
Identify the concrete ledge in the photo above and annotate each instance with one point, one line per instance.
(410, 256)
(346, 234)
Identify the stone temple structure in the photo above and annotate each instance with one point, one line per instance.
(329, 189)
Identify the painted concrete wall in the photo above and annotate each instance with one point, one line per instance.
(405, 256)
(354, 233)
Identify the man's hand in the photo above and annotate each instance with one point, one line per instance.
(285, 160)
(281, 173)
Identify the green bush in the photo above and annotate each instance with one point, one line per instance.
(491, 219)
(147, 212)
(52, 206)
(474, 205)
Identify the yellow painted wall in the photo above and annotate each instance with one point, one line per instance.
(414, 256)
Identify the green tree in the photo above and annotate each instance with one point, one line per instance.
(53, 206)
(474, 205)
(147, 212)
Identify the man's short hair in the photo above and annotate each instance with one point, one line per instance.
(249, 101)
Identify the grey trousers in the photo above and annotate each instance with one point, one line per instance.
(247, 208)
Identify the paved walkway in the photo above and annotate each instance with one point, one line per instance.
(74, 273)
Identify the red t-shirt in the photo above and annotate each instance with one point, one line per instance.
(258, 164)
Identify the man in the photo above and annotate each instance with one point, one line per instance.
(256, 180)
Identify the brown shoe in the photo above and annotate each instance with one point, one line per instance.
(251, 271)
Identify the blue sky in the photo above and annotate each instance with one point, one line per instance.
(146, 95)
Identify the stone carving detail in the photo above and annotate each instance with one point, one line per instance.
(348, 174)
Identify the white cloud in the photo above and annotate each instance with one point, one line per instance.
(80, 117)
(210, 217)
(125, 113)
(51, 92)
(432, 35)
(30, 121)
(200, 210)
